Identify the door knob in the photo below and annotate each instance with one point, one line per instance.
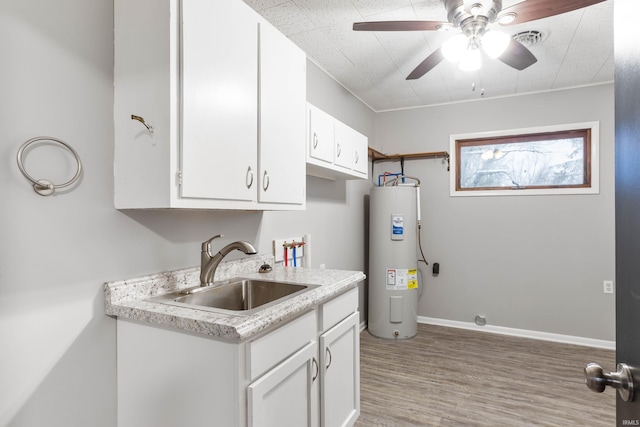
(622, 380)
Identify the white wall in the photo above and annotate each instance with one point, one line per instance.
(527, 262)
(57, 357)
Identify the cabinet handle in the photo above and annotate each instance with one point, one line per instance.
(315, 140)
(339, 150)
(265, 181)
(328, 352)
(249, 177)
(356, 156)
(314, 362)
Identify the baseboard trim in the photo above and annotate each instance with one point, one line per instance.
(544, 336)
(363, 326)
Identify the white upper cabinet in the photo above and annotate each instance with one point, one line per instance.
(283, 78)
(351, 149)
(205, 74)
(334, 150)
(320, 136)
(219, 86)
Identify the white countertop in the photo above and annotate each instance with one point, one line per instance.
(127, 298)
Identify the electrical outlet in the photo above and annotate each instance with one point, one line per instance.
(608, 286)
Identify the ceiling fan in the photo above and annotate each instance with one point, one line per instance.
(473, 17)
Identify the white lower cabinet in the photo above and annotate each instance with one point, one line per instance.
(339, 341)
(340, 373)
(167, 378)
(305, 373)
(287, 394)
(318, 385)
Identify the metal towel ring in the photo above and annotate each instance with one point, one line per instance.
(42, 186)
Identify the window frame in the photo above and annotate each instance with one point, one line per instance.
(592, 156)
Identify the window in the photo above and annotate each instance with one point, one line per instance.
(547, 160)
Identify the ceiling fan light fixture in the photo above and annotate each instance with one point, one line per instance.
(476, 9)
(507, 18)
(495, 43)
(471, 60)
(455, 47)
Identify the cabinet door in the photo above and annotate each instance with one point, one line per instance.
(282, 177)
(320, 143)
(219, 100)
(351, 148)
(343, 145)
(360, 146)
(340, 373)
(287, 395)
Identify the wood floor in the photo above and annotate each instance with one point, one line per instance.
(455, 377)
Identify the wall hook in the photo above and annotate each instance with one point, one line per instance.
(141, 120)
(150, 128)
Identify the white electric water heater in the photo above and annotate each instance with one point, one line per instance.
(393, 261)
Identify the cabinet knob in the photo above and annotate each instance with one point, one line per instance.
(249, 177)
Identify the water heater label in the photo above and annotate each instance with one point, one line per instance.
(412, 279)
(397, 227)
(401, 279)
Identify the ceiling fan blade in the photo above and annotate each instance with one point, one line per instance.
(425, 66)
(517, 56)
(530, 10)
(399, 25)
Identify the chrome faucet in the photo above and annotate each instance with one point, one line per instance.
(209, 262)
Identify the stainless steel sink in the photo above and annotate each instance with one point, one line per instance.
(238, 296)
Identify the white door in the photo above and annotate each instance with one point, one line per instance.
(282, 171)
(340, 373)
(219, 100)
(287, 395)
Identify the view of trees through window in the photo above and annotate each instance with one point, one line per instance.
(550, 160)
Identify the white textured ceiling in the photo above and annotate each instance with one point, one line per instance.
(576, 50)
